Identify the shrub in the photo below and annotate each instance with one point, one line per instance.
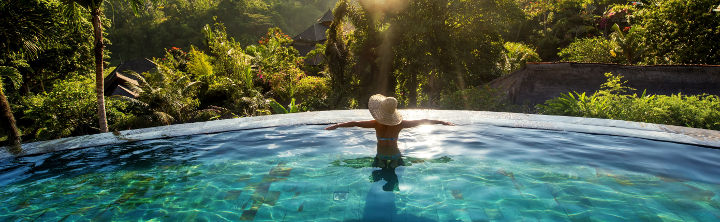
(313, 91)
(229, 59)
(613, 102)
(284, 83)
(200, 67)
(68, 110)
(597, 49)
(516, 55)
(279, 65)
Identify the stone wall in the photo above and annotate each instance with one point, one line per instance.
(538, 82)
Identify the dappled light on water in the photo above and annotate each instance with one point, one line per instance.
(422, 142)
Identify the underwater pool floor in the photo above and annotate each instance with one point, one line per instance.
(301, 173)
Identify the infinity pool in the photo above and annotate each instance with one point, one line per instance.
(471, 172)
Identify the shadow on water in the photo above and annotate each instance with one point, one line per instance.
(142, 155)
(71, 163)
(380, 200)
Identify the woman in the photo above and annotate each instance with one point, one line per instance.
(387, 123)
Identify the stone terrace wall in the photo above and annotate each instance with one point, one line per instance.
(538, 82)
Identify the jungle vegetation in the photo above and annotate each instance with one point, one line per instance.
(230, 58)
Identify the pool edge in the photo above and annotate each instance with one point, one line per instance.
(667, 133)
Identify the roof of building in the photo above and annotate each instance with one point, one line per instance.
(121, 76)
(314, 33)
(138, 66)
(305, 47)
(327, 18)
(122, 91)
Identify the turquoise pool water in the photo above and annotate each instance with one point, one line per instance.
(302, 173)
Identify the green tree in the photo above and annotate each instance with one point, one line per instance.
(41, 44)
(278, 63)
(622, 40)
(682, 31)
(174, 23)
(554, 24)
(414, 49)
(96, 12)
(23, 28)
(337, 55)
(65, 111)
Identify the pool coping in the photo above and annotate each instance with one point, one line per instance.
(659, 132)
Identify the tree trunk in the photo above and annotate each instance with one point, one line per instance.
(99, 84)
(7, 117)
(413, 90)
(336, 56)
(25, 87)
(42, 79)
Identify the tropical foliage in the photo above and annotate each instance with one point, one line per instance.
(225, 81)
(653, 32)
(683, 31)
(614, 101)
(516, 55)
(175, 23)
(227, 59)
(67, 110)
(414, 50)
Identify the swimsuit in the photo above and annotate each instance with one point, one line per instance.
(388, 161)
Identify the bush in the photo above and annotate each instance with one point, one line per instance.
(200, 67)
(516, 55)
(69, 110)
(613, 102)
(597, 49)
(313, 91)
(279, 64)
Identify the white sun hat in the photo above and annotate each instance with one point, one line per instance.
(384, 110)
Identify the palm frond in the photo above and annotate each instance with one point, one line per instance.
(11, 74)
(72, 10)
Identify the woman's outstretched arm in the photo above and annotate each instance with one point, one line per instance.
(363, 124)
(414, 123)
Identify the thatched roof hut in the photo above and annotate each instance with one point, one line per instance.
(121, 81)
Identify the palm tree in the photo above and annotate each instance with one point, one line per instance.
(22, 33)
(95, 8)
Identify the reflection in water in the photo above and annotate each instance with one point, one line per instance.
(389, 176)
(111, 158)
(362, 162)
(380, 199)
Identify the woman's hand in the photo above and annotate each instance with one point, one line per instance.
(332, 127)
(448, 123)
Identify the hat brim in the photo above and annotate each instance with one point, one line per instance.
(384, 118)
